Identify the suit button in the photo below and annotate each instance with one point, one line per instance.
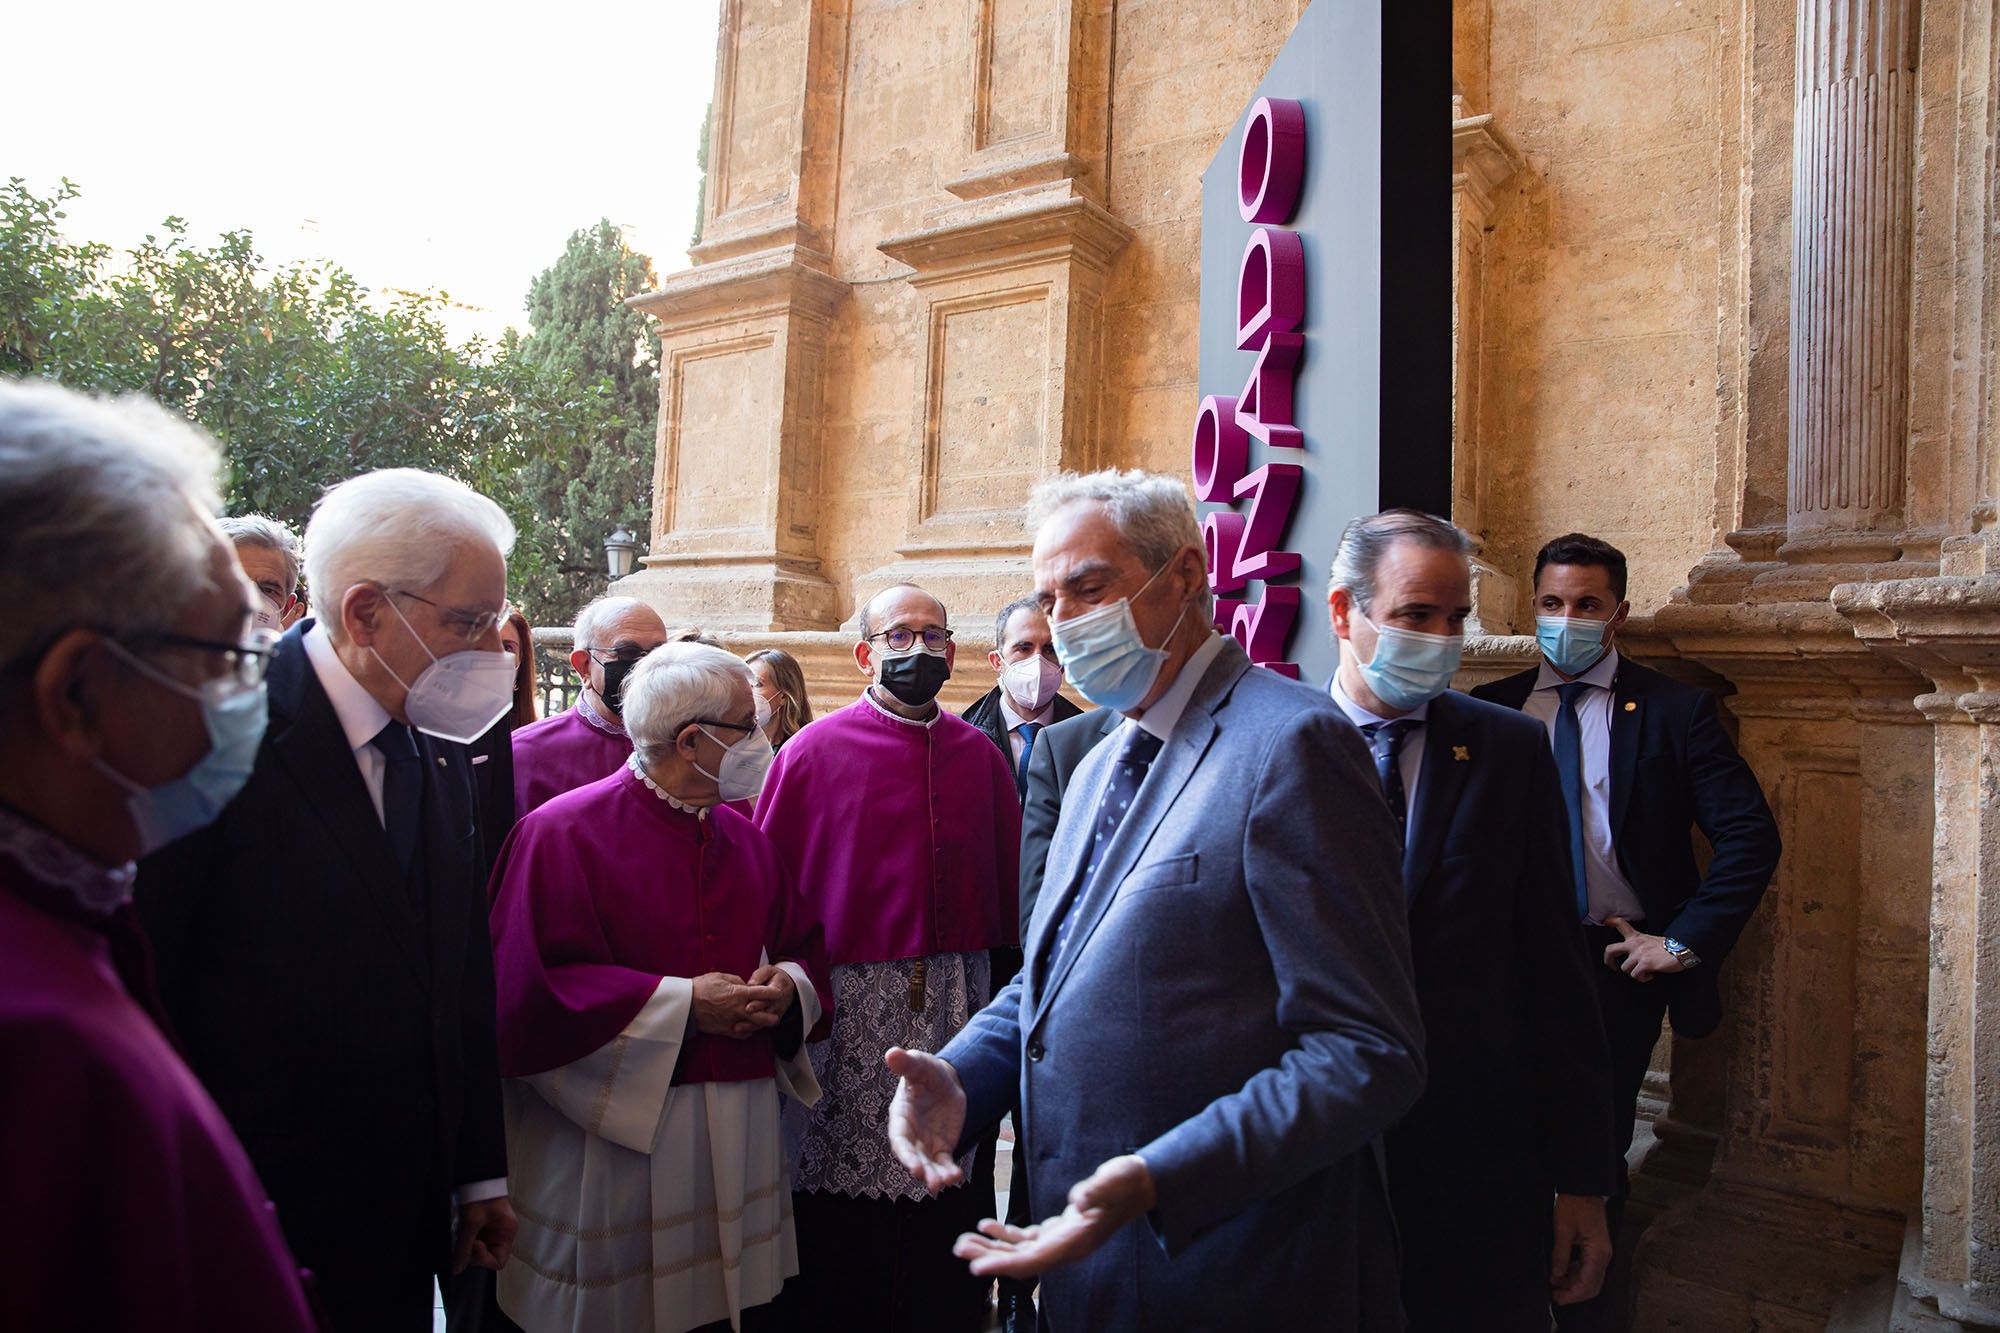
(1035, 1050)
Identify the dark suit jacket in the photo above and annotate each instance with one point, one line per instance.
(1510, 1015)
(1056, 754)
(340, 1012)
(1234, 1003)
(1673, 766)
(492, 760)
(984, 713)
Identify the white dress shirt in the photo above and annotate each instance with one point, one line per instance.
(1014, 722)
(361, 720)
(1165, 714)
(1610, 894)
(1410, 759)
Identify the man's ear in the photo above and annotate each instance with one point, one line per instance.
(864, 657)
(363, 608)
(1619, 616)
(950, 653)
(1339, 607)
(65, 685)
(684, 744)
(579, 662)
(993, 660)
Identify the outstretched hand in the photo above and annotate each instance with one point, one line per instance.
(926, 1117)
(1114, 1194)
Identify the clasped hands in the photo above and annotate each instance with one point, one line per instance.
(725, 1005)
(925, 1121)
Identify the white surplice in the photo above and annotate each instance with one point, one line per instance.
(646, 1206)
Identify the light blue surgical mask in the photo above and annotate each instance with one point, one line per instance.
(1571, 643)
(1410, 669)
(235, 716)
(1104, 655)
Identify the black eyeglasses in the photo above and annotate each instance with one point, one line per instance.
(902, 637)
(246, 661)
(619, 655)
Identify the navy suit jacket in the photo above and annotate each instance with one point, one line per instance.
(984, 713)
(1673, 768)
(340, 1012)
(1235, 1004)
(1513, 1039)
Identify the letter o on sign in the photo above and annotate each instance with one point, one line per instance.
(1221, 450)
(1270, 164)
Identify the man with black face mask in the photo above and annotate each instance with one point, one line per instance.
(588, 741)
(901, 828)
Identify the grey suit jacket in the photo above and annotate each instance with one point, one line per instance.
(1236, 1005)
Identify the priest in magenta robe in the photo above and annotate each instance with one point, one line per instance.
(658, 975)
(134, 700)
(900, 824)
(587, 741)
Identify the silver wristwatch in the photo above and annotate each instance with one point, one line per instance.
(1683, 955)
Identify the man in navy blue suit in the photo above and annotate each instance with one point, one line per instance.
(1641, 759)
(1491, 1234)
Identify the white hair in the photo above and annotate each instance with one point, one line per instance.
(1151, 510)
(266, 534)
(675, 684)
(400, 528)
(590, 621)
(106, 515)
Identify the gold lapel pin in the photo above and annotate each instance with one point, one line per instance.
(1461, 753)
(1631, 707)
(441, 762)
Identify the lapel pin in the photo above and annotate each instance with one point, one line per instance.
(1461, 753)
(441, 763)
(1631, 706)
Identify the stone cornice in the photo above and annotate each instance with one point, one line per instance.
(1482, 158)
(786, 279)
(1056, 225)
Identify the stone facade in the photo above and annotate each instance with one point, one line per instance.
(1723, 298)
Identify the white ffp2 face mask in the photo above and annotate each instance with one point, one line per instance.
(744, 764)
(1031, 682)
(458, 696)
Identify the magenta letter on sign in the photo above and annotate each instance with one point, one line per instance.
(1261, 627)
(1271, 163)
(1272, 489)
(1222, 534)
(1270, 286)
(1221, 450)
(1264, 408)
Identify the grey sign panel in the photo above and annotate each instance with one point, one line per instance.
(1373, 393)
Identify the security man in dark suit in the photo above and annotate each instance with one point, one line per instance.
(322, 947)
(1491, 1235)
(1640, 759)
(1024, 701)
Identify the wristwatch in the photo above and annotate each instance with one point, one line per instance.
(1682, 954)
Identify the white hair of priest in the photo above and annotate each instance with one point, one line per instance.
(595, 616)
(678, 683)
(400, 528)
(106, 515)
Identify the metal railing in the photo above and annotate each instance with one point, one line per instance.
(555, 682)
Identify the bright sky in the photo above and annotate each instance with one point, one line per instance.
(421, 144)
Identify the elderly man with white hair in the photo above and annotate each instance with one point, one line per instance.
(131, 703)
(587, 741)
(657, 978)
(1217, 1017)
(322, 947)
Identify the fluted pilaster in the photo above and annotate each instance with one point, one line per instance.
(1852, 201)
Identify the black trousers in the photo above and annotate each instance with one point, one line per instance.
(885, 1265)
(1633, 1012)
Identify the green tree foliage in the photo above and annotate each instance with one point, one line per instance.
(587, 340)
(305, 381)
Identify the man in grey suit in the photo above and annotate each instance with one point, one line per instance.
(1217, 1017)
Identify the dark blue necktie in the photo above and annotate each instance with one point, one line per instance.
(1027, 730)
(1569, 770)
(402, 789)
(1385, 740)
(1127, 773)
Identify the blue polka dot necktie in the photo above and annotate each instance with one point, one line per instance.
(1128, 771)
(1385, 741)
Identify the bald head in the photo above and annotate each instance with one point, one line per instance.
(903, 603)
(609, 621)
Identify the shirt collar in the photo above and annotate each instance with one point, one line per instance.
(639, 771)
(868, 693)
(59, 865)
(588, 712)
(1012, 715)
(1165, 714)
(1362, 717)
(361, 716)
(1600, 675)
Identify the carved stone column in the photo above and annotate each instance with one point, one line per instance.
(1852, 202)
(1482, 161)
(1948, 627)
